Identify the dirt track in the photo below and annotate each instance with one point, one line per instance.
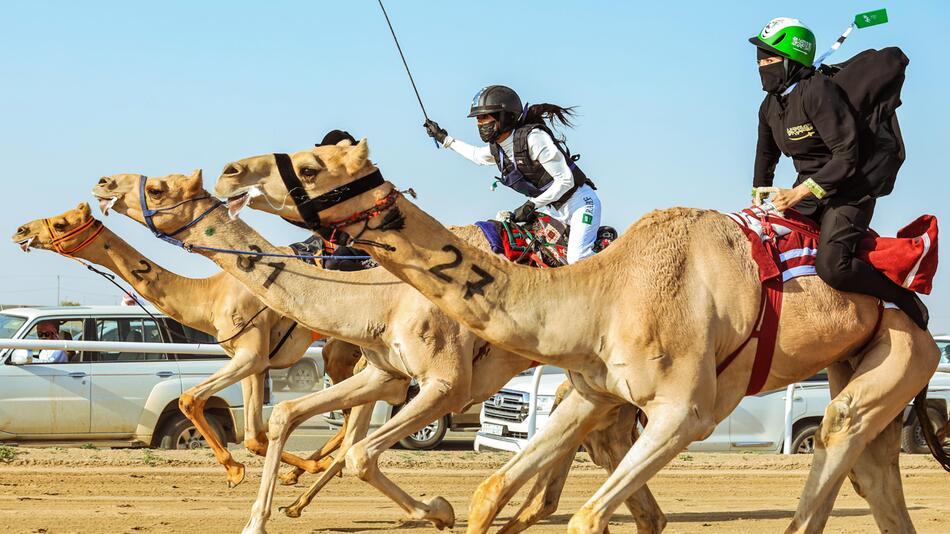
(93, 491)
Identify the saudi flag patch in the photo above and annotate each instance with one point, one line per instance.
(587, 218)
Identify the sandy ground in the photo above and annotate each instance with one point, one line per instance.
(93, 491)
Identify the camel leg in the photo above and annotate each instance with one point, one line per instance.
(680, 412)
(607, 447)
(430, 403)
(192, 402)
(891, 373)
(563, 433)
(357, 427)
(368, 386)
(340, 360)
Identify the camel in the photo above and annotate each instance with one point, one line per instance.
(256, 338)
(401, 333)
(694, 270)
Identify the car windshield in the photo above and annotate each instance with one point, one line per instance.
(944, 346)
(9, 324)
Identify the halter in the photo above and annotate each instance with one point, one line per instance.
(309, 207)
(147, 214)
(57, 241)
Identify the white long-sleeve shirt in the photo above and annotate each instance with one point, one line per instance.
(541, 148)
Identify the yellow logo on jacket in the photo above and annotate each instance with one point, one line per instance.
(802, 131)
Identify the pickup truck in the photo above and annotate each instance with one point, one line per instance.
(109, 399)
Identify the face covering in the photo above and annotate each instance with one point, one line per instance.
(488, 131)
(774, 76)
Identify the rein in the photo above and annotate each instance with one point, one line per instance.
(148, 213)
(57, 241)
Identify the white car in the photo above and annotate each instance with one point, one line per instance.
(757, 423)
(108, 398)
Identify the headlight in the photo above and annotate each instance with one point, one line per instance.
(545, 404)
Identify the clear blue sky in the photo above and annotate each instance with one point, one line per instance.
(668, 94)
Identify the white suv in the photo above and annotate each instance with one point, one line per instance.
(108, 398)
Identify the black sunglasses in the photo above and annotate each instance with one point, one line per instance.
(45, 335)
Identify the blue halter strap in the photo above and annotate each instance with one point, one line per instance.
(148, 213)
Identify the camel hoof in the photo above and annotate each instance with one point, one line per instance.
(441, 513)
(235, 474)
(290, 511)
(289, 478)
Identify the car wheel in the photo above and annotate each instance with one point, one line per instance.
(302, 376)
(180, 433)
(912, 435)
(804, 441)
(429, 437)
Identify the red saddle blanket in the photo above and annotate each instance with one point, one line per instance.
(785, 246)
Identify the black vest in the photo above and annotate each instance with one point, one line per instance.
(529, 177)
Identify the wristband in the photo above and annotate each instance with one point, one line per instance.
(815, 189)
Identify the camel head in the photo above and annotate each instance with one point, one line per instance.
(257, 182)
(64, 233)
(171, 194)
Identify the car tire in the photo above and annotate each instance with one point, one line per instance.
(912, 435)
(804, 440)
(429, 437)
(180, 433)
(302, 376)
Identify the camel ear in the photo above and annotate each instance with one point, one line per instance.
(195, 181)
(83, 208)
(356, 157)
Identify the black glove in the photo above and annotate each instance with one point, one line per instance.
(435, 131)
(524, 213)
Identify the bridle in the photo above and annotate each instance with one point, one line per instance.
(57, 240)
(309, 207)
(148, 213)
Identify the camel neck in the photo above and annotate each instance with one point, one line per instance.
(507, 304)
(341, 304)
(174, 294)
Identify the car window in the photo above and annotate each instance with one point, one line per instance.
(186, 334)
(133, 330)
(944, 347)
(67, 329)
(10, 324)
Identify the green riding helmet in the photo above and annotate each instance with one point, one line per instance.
(788, 38)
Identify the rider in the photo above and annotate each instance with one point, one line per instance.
(807, 116)
(532, 161)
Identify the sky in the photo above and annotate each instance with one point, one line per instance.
(667, 95)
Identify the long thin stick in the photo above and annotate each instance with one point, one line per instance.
(413, 82)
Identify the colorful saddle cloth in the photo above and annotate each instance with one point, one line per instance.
(542, 243)
(786, 246)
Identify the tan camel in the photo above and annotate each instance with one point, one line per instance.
(252, 335)
(401, 333)
(645, 323)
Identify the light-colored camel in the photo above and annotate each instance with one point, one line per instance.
(645, 323)
(401, 333)
(219, 305)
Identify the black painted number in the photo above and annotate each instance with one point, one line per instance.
(278, 267)
(438, 270)
(476, 288)
(146, 268)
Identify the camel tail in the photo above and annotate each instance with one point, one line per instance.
(926, 426)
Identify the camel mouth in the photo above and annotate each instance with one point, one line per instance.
(239, 201)
(26, 243)
(105, 204)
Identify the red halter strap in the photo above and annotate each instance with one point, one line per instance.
(58, 239)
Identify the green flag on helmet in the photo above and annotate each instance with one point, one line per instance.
(789, 38)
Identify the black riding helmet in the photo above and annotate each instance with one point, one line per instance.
(501, 102)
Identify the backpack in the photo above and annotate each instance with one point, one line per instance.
(872, 81)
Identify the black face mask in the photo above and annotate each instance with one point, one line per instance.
(489, 131)
(774, 76)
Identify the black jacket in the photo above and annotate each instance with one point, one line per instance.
(816, 126)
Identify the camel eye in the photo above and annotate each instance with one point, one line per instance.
(59, 226)
(154, 192)
(308, 172)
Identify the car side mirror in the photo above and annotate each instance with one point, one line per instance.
(21, 356)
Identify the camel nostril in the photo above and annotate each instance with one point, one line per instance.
(21, 230)
(103, 180)
(233, 169)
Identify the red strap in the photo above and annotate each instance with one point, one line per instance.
(767, 334)
(766, 330)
